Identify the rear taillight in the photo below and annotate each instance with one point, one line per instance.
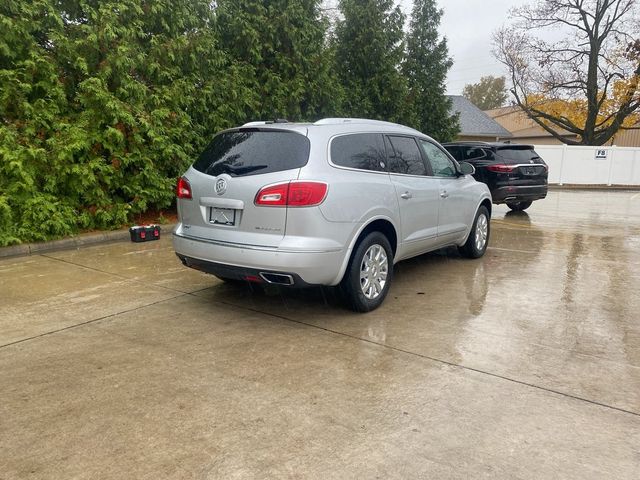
(501, 168)
(306, 194)
(292, 194)
(183, 190)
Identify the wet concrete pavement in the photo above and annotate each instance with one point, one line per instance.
(117, 362)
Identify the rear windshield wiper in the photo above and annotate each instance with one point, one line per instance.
(239, 171)
(245, 170)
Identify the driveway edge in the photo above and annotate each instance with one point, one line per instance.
(85, 239)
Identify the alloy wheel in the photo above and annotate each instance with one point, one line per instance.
(482, 231)
(374, 269)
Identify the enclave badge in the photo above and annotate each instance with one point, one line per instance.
(221, 186)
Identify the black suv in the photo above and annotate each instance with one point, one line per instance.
(515, 174)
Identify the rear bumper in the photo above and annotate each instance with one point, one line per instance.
(306, 268)
(518, 193)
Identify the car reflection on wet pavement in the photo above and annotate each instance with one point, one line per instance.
(118, 362)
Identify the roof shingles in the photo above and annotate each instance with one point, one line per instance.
(474, 122)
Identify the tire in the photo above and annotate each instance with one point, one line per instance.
(361, 294)
(519, 206)
(478, 238)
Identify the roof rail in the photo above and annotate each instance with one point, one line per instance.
(338, 121)
(470, 142)
(265, 122)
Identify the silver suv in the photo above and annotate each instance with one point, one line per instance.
(336, 202)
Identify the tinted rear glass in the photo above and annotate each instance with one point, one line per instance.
(475, 153)
(253, 152)
(456, 152)
(405, 157)
(362, 150)
(518, 155)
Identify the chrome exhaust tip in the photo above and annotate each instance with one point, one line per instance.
(277, 278)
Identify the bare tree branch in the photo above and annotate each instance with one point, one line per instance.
(594, 66)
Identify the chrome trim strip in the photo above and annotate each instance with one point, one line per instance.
(253, 247)
(527, 165)
(217, 202)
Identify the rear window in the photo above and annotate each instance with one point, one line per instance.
(245, 153)
(405, 157)
(518, 155)
(364, 151)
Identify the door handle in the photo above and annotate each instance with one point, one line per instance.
(444, 194)
(406, 195)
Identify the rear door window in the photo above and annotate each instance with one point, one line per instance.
(404, 156)
(241, 153)
(517, 155)
(364, 151)
(474, 153)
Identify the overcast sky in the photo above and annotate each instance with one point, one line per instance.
(468, 26)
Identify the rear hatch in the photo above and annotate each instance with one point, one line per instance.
(226, 178)
(524, 165)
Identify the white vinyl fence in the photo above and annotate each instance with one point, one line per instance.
(578, 165)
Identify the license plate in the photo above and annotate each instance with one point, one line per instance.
(222, 216)
(531, 171)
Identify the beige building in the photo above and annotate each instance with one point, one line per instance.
(525, 130)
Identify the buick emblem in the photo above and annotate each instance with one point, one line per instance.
(221, 186)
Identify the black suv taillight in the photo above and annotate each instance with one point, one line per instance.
(501, 168)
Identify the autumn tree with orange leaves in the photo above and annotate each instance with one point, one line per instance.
(574, 65)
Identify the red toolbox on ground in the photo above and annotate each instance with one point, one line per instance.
(144, 233)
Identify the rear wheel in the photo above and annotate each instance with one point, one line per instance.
(478, 238)
(519, 206)
(368, 276)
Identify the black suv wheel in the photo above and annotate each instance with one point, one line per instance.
(519, 206)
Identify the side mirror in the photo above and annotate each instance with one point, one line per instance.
(466, 168)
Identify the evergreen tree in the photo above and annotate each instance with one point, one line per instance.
(283, 44)
(102, 104)
(369, 51)
(426, 66)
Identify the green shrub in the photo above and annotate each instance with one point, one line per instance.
(102, 105)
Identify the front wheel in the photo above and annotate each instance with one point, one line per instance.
(478, 238)
(368, 276)
(519, 206)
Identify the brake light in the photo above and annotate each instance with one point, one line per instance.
(183, 190)
(292, 194)
(501, 168)
(306, 194)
